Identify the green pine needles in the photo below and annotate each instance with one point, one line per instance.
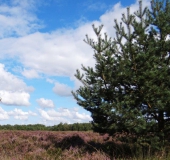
(128, 90)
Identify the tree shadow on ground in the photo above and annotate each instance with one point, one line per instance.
(110, 148)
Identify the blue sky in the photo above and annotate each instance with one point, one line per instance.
(41, 46)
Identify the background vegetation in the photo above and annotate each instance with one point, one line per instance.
(41, 127)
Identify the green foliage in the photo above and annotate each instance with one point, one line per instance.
(41, 127)
(128, 90)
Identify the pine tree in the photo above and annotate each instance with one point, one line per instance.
(128, 90)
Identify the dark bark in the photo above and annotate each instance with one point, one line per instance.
(161, 121)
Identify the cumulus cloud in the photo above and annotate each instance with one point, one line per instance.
(10, 82)
(50, 80)
(16, 113)
(45, 103)
(62, 89)
(16, 18)
(3, 114)
(15, 98)
(60, 53)
(64, 115)
(13, 90)
(21, 115)
(30, 73)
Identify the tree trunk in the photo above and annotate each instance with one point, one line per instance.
(160, 121)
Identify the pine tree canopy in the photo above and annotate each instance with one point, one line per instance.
(128, 90)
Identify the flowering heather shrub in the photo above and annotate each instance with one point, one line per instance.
(68, 145)
(46, 145)
(76, 153)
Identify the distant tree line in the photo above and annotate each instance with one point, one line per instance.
(59, 127)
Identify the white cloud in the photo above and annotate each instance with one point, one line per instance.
(64, 115)
(10, 82)
(45, 103)
(50, 80)
(30, 73)
(45, 115)
(59, 54)
(83, 116)
(16, 113)
(21, 115)
(15, 98)
(3, 114)
(62, 89)
(16, 18)
(13, 90)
